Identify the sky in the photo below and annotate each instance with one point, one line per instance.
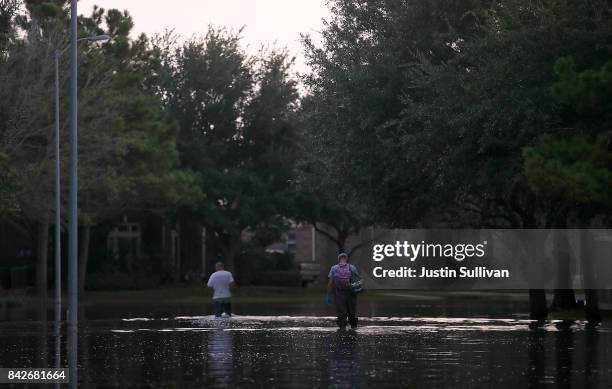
(265, 21)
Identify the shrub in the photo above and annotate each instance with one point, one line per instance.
(278, 278)
(119, 280)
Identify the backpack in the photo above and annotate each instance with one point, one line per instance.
(342, 276)
(345, 278)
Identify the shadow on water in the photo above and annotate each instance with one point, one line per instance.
(292, 351)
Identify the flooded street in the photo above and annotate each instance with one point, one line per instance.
(298, 350)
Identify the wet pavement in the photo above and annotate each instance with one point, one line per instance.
(305, 350)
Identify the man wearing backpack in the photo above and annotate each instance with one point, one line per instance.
(346, 301)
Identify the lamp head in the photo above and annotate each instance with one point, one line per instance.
(95, 38)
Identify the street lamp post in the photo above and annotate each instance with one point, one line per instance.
(58, 252)
(72, 218)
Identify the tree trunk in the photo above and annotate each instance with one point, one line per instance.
(167, 252)
(84, 255)
(537, 297)
(343, 235)
(176, 271)
(563, 299)
(230, 260)
(591, 305)
(42, 242)
(231, 250)
(42, 257)
(229, 245)
(537, 304)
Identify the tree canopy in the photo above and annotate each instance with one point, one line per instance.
(436, 105)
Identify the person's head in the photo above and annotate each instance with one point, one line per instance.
(343, 258)
(219, 266)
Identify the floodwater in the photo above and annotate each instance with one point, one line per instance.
(298, 349)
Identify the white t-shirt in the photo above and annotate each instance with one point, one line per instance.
(220, 282)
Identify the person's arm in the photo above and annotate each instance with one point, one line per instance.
(232, 283)
(330, 278)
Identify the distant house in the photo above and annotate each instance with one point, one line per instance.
(312, 250)
(173, 248)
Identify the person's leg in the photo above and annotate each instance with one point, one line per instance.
(341, 308)
(352, 310)
(218, 306)
(227, 307)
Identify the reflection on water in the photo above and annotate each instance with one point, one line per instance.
(343, 367)
(307, 351)
(564, 345)
(220, 360)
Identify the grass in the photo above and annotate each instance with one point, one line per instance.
(198, 294)
(201, 294)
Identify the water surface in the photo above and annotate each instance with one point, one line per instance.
(297, 348)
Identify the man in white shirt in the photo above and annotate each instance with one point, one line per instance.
(220, 282)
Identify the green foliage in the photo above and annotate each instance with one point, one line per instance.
(465, 113)
(290, 278)
(8, 10)
(200, 128)
(235, 116)
(26, 132)
(589, 91)
(577, 171)
(8, 181)
(434, 103)
(46, 10)
(129, 158)
(363, 74)
(123, 281)
(262, 268)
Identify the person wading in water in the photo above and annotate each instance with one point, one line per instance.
(221, 282)
(346, 301)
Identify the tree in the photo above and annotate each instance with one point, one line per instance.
(235, 120)
(323, 198)
(8, 11)
(27, 42)
(128, 154)
(436, 111)
(360, 77)
(363, 74)
(503, 80)
(576, 169)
